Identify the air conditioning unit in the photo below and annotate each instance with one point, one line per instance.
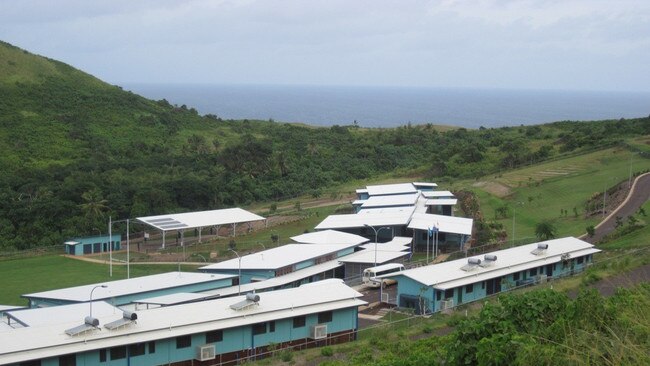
(318, 331)
(446, 304)
(205, 353)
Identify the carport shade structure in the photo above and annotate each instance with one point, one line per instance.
(200, 219)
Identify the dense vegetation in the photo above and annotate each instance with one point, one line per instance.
(74, 150)
(540, 327)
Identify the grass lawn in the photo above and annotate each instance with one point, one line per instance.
(42, 273)
(540, 192)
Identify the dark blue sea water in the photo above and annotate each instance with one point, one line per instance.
(395, 106)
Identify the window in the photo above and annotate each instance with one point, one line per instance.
(533, 272)
(580, 260)
(102, 355)
(136, 349)
(515, 276)
(183, 341)
(272, 326)
(118, 353)
(483, 285)
(449, 293)
(469, 288)
(68, 360)
(30, 363)
(438, 295)
(214, 336)
(324, 317)
(259, 328)
(299, 321)
(235, 281)
(152, 347)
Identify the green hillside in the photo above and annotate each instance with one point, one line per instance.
(74, 150)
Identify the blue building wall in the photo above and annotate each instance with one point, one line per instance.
(93, 244)
(409, 290)
(127, 299)
(233, 340)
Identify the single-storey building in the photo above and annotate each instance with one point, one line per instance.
(451, 231)
(436, 287)
(122, 292)
(93, 244)
(215, 332)
(329, 237)
(279, 261)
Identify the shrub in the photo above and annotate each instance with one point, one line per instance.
(327, 351)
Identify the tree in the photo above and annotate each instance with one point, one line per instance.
(545, 230)
(591, 231)
(94, 204)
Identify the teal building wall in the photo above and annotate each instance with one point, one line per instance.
(165, 350)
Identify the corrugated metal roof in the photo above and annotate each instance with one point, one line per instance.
(174, 299)
(130, 286)
(438, 194)
(372, 217)
(167, 322)
(368, 256)
(190, 220)
(276, 281)
(449, 274)
(383, 189)
(446, 224)
(441, 202)
(329, 237)
(279, 257)
(391, 200)
(64, 314)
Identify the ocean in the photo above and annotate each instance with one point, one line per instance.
(396, 106)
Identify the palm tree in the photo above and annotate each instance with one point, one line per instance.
(94, 204)
(545, 230)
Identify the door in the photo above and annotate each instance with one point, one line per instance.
(549, 270)
(460, 295)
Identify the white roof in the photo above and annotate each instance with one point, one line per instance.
(399, 188)
(381, 217)
(174, 299)
(10, 307)
(449, 274)
(72, 242)
(386, 247)
(438, 194)
(368, 256)
(362, 190)
(173, 321)
(276, 281)
(391, 200)
(445, 224)
(190, 220)
(73, 313)
(329, 237)
(131, 286)
(279, 257)
(441, 202)
(424, 184)
(403, 240)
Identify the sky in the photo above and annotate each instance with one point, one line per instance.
(545, 44)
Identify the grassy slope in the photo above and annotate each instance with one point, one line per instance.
(562, 184)
(50, 272)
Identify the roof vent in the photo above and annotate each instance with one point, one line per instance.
(250, 300)
(488, 260)
(541, 249)
(90, 323)
(127, 318)
(472, 263)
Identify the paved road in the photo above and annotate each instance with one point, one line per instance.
(636, 198)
